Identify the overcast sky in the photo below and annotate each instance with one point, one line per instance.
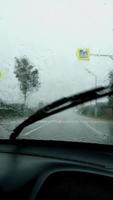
(49, 32)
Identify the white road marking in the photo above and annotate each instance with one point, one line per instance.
(45, 123)
(42, 126)
(92, 128)
(39, 127)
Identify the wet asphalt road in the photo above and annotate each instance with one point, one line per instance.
(67, 125)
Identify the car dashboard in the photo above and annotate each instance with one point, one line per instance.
(41, 169)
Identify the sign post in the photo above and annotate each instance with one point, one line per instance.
(83, 54)
(2, 74)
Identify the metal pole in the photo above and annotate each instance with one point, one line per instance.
(98, 55)
(96, 110)
(95, 78)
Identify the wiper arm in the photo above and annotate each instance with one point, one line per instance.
(61, 105)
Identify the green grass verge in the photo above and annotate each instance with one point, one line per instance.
(13, 113)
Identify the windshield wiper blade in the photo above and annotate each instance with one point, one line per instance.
(61, 105)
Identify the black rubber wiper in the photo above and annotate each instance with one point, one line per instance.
(61, 105)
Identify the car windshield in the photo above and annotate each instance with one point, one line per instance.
(53, 49)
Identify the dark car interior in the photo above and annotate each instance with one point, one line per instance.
(37, 170)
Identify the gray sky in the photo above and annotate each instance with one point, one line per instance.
(48, 32)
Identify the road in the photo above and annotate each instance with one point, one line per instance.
(67, 125)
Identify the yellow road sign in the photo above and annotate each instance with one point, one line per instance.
(2, 74)
(83, 54)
